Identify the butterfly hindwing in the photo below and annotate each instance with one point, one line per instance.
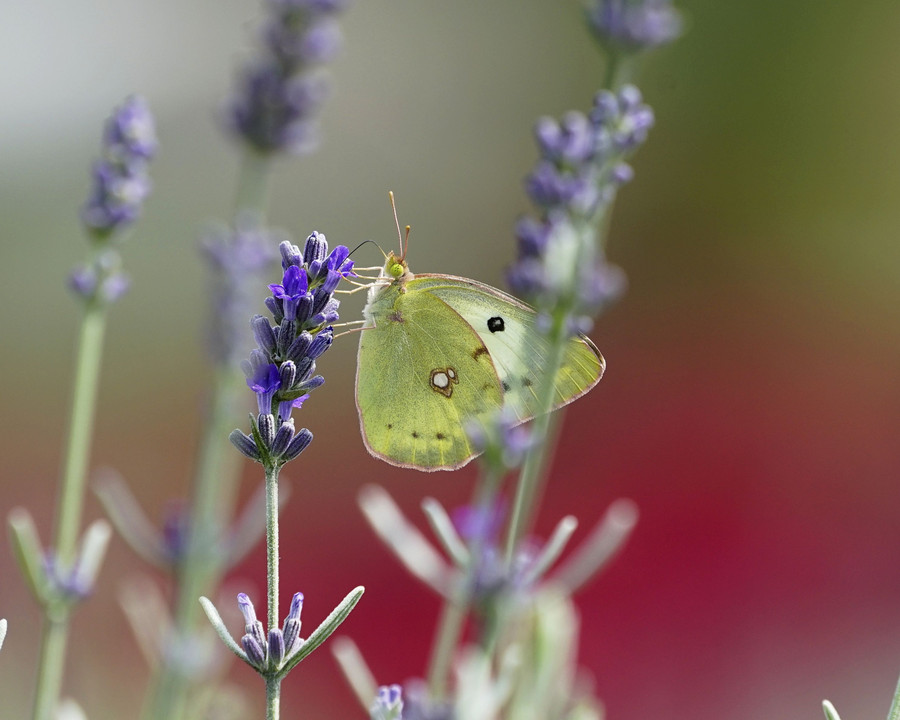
(422, 372)
(506, 326)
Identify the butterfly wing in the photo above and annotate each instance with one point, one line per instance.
(445, 350)
(506, 327)
(422, 373)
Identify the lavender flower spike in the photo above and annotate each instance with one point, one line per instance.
(634, 25)
(120, 179)
(282, 369)
(280, 94)
(582, 166)
(388, 705)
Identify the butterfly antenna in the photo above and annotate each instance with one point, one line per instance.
(397, 225)
(369, 241)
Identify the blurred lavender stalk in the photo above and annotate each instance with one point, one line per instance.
(272, 113)
(64, 574)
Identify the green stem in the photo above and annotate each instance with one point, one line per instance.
(68, 518)
(532, 468)
(253, 184)
(456, 607)
(272, 545)
(453, 616)
(618, 71)
(81, 425)
(54, 638)
(215, 484)
(273, 698)
(894, 712)
(202, 566)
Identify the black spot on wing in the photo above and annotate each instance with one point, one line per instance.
(527, 382)
(440, 436)
(496, 324)
(479, 351)
(505, 386)
(415, 434)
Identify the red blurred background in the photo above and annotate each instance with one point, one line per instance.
(751, 401)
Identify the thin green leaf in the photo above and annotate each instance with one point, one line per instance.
(27, 549)
(221, 630)
(443, 528)
(328, 626)
(829, 710)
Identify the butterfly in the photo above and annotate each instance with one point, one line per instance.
(437, 352)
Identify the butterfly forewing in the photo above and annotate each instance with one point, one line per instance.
(422, 373)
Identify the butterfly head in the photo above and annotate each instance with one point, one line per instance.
(396, 268)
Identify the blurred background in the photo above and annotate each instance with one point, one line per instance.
(751, 402)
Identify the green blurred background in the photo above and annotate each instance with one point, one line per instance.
(751, 403)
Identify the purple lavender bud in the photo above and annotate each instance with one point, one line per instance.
(290, 255)
(265, 424)
(634, 25)
(311, 384)
(115, 287)
(603, 285)
(305, 367)
(321, 343)
(296, 607)
(292, 624)
(388, 705)
(276, 648)
(285, 336)
(274, 306)
(606, 107)
(265, 336)
(175, 530)
(571, 142)
(116, 198)
(300, 442)
(130, 131)
(292, 640)
(316, 248)
(288, 373)
(532, 236)
(83, 281)
(527, 277)
(255, 653)
(502, 439)
(480, 523)
(622, 173)
(300, 347)
(329, 314)
(244, 443)
(304, 310)
(283, 437)
(245, 605)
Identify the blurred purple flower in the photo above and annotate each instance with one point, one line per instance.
(280, 94)
(634, 25)
(120, 182)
